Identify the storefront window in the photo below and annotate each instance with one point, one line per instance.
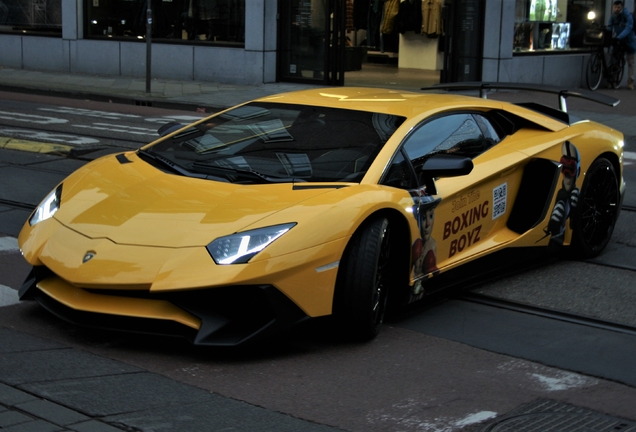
(554, 25)
(205, 21)
(31, 16)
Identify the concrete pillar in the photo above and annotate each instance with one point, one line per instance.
(499, 23)
(72, 19)
(260, 34)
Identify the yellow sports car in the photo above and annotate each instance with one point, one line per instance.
(333, 201)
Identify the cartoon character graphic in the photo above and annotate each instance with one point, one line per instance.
(568, 196)
(425, 247)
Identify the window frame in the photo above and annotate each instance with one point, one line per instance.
(415, 180)
(178, 24)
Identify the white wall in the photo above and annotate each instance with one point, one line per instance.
(419, 52)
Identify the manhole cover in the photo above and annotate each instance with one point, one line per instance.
(553, 416)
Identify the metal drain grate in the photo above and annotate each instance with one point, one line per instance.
(546, 415)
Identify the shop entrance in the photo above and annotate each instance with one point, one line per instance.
(311, 41)
(372, 43)
(464, 35)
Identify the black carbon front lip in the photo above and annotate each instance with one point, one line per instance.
(229, 316)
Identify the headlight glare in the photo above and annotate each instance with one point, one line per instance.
(47, 207)
(239, 248)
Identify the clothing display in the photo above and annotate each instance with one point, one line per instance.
(208, 10)
(374, 22)
(361, 14)
(410, 16)
(349, 25)
(391, 9)
(385, 20)
(432, 17)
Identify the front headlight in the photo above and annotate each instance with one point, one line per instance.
(47, 207)
(239, 248)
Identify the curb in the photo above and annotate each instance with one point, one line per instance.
(35, 147)
(103, 97)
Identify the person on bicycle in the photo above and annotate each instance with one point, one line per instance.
(622, 23)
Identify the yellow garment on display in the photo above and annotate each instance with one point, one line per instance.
(432, 17)
(391, 8)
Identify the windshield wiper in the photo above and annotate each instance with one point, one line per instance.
(167, 163)
(249, 174)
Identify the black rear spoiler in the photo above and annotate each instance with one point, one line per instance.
(563, 94)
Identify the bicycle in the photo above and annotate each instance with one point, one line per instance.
(598, 65)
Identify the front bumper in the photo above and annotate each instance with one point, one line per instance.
(226, 316)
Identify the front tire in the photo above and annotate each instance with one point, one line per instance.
(364, 279)
(595, 217)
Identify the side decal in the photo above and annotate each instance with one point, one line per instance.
(465, 228)
(424, 248)
(568, 196)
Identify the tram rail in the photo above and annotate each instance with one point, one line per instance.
(545, 312)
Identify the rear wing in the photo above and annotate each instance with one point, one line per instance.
(563, 94)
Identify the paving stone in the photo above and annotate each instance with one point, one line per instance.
(56, 364)
(12, 418)
(35, 426)
(93, 426)
(102, 395)
(10, 396)
(52, 412)
(219, 415)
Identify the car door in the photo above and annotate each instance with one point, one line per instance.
(462, 219)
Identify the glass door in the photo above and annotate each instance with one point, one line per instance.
(464, 36)
(311, 41)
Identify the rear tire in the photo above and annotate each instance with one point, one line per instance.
(594, 71)
(363, 281)
(617, 69)
(596, 213)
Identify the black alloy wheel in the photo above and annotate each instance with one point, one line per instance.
(363, 281)
(597, 210)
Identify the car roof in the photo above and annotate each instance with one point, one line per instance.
(404, 103)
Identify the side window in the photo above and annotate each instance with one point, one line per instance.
(465, 134)
(400, 174)
(461, 134)
(490, 133)
(452, 134)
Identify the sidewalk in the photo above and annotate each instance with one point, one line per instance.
(210, 96)
(164, 93)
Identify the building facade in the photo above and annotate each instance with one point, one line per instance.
(314, 41)
(545, 45)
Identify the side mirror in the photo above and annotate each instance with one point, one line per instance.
(443, 165)
(168, 128)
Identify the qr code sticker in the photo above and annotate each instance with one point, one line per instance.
(499, 200)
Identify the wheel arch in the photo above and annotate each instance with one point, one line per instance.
(401, 232)
(616, 164)
(400, 226)
(613, 158)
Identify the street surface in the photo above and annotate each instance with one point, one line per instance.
(556, 337)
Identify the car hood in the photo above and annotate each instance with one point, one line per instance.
(131, 202)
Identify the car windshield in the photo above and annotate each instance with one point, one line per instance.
(271, 142)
